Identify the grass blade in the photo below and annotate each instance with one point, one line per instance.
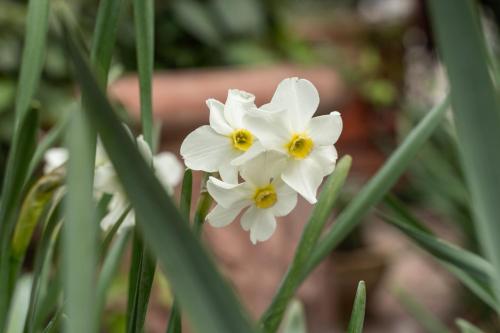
(144, 32)
(272, 317)
(206, 299)
(15, 176)
(104, 37)
(373, 192)
(463, 259)
(80, 229)
(110, 267)
(20, 304)
(358, 310)
(175, 321)
(476, 110)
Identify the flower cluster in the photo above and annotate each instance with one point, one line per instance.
(278, 149)
(166, 166)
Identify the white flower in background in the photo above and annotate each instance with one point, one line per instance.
(167, 168)
(286, 125)
(226, 143)
(54, 158)
(263, 194)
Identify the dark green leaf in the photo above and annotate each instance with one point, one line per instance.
(204, 296)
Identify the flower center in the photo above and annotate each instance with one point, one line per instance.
(299, 146)
(241, 139)
(265, 197)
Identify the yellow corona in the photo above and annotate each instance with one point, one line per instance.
(241, 139)
(265, 197)
(299, 146)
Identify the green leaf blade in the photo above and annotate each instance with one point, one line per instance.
(358, 310)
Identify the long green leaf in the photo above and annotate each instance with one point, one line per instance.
(443, 250)
(144, 33)
(373, 192)
(312, 230)
(21, 150)
(476, 110)
(203, 294)
(80, 229)
(175, 321)
(109, 268)
(17, 167)
(473, 271)
(42, 263)
(358, 310)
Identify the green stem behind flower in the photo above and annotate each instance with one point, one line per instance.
(271, 319)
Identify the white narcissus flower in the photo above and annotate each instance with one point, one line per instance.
(286, 125)
(226, 143)
(54, 158)
(167, 168)
(264, 195)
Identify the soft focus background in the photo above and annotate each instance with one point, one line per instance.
(372, 60)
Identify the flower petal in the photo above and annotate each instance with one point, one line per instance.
(325, 130)
(54, 158)
(228, 173)
(168, 170)
(237, 103)
(221, 217)
(325, 157)
(255, 149)
(287, 198)
(272, 128)
(228, 195)
(262, 223)
(106, 180)
(204, 149)
(263, 168)
(217, 120)
(299, 97)
(304, 176)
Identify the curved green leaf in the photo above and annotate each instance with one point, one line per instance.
(205, 297)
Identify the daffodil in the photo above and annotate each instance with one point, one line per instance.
(263, 196)
(166, 166)
(286, 125)
(226, 143)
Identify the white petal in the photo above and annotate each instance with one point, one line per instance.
(144, 149)
(325, 157)
(106, 180)
(325, 130)
(263, 168)
(100, 155)
(168, 169)
(304, 176)
(117, 207)
(237, 103)
(228, 195)
(204, 149)
(228, 173)
(255, 149)
(221, 217)
(300, 97)
(217, 120)
(262, 223)
(54, 158)
(272, 128)
(287, 198)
